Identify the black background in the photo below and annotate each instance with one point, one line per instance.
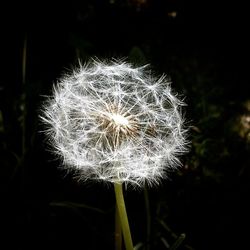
(203, 46)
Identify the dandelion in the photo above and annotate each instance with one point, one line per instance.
(117, 123)
(114, 122)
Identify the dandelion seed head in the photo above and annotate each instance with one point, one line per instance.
(114, 122)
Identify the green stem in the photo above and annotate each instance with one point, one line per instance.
(118, 231)
(123, 216)
(178, 242)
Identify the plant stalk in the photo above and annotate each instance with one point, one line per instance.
(118, 230)
(123, 216)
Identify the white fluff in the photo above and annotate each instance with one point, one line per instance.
(114, 122)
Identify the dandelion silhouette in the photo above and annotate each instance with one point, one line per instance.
(114, 122)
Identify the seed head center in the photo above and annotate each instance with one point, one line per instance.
(120, 120)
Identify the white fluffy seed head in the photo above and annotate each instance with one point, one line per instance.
(111, 121)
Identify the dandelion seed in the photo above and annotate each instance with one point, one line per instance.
(114, 122)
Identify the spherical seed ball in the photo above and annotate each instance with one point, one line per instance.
(115, 122)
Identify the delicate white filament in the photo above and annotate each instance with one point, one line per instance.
(114, 122)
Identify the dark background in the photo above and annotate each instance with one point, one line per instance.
(203, 47)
